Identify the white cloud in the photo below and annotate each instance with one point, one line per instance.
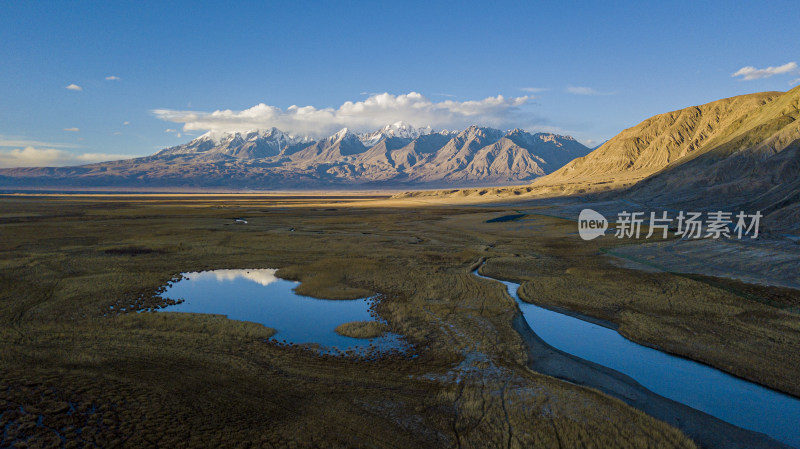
(375, 112)
(170, 130)
(534, 90)
(263, 276)
(112, 78)
(74, 130)
(8, 142)
(51, 157)
(751, 73)
(582, 90)
(126, 123)
(74, 87)
(794, 81)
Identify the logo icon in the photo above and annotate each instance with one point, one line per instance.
(591, 224)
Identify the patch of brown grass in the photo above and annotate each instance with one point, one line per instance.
(361, 329)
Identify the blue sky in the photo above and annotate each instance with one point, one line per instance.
(587, 69)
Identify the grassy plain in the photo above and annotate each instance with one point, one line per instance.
(76, 369)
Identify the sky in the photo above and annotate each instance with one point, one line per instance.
(88, 81)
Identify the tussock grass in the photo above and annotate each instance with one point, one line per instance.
(329, 277)
(361, 329)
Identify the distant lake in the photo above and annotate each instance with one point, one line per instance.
(261, 297)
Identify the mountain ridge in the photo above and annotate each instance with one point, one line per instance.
(397, 155)
(737, 153)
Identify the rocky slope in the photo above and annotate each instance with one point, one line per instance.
(700, 146)
(397, 155)
(739, 153)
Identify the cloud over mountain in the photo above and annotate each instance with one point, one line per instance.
(359, 116)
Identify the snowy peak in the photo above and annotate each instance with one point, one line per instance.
(395, 155)
(404, 130)
(398, 152)
(271, 134)
(401, 130)
(249, 144)
(342, 135)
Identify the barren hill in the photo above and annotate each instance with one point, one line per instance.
(737, 153)
(668, 140)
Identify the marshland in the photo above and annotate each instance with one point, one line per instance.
(86, 359)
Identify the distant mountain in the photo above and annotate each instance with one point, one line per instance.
(400, 130)
(397, 155)
(252, 145)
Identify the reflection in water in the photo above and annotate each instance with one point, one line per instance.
(259, 296)
(262, 276)
(739, 402)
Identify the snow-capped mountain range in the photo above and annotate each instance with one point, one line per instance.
(270, 142)
(401, 130)
(397, 155)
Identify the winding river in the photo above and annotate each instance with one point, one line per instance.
(731, 399)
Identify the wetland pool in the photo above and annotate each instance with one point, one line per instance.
(259, 296)
(731, 399)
